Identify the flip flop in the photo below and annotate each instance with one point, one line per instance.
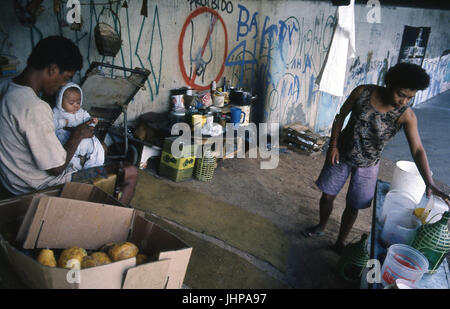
(310, 233)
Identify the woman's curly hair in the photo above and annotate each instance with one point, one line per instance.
(407, 75)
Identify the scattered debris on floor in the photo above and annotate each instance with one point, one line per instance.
(301, 139)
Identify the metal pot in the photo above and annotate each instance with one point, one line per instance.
(240, 97)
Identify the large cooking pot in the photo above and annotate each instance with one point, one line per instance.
(240, 97)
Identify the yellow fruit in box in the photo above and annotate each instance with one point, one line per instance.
(88, 262)
(105, 248)
(141, 259)
(95, 259)
(71, 256)
(123, 251)
(101, 257)
(47, 257)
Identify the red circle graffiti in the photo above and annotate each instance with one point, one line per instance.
(191, 82)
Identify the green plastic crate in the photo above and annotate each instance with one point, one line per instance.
(186, 150)
(174, 174)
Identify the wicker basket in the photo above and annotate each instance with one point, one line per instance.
(204, 167)
(107, 40)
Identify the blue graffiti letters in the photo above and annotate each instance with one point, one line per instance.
(244, 23)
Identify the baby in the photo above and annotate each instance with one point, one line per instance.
(68, 113)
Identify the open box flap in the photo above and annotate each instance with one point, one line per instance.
(148, 276)
(108, 276)
(88, 193)
(29, 215)
(62, 223)
(178, 266)
(167, 245)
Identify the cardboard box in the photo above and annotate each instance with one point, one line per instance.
(83, 215)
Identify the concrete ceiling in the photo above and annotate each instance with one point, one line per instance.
(425, 4)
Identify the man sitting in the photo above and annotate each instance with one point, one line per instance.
(31, 156)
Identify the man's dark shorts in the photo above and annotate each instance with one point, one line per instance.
(88, 175)
(362, 182)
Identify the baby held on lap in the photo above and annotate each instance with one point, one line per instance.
(69, 113)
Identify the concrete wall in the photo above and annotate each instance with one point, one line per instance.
(272, 48)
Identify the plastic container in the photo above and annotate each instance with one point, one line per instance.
(403, 262)
(218, 100)
(401, 284)
(396, 200)
(407, 178)
(433, 240)
(433, 210)
(436, 207)
(400, 228)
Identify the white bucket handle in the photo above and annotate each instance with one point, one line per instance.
(426, 223)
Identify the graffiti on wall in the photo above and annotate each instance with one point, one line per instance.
(439, 70)
(155, 53)
(283, 58)
(148, 56)
(218, 5)
(200, 52)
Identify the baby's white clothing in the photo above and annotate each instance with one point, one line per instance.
(91, 148)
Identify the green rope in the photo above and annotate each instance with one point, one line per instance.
(92, 10)
(139, 58)
(121, 51)
(76, 42)
(157, 83)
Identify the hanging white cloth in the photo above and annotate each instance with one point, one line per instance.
(331, 78)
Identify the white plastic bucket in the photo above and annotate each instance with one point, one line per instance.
(395, 200)
(400, 227)
(407, 178)
(401, 284)
(403, 262)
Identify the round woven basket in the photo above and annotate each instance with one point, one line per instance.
(107, 40)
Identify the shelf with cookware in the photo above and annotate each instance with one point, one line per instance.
(203, 126)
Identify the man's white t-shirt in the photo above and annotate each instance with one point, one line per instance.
(28, 143)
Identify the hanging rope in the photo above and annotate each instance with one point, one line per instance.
(129, 39)
(136, 53)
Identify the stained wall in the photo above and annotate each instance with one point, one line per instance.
(274, 49)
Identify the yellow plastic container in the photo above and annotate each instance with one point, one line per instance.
(198, 121)
(418, 212)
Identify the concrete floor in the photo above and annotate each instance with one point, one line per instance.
(288, 198)
(433, 118)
